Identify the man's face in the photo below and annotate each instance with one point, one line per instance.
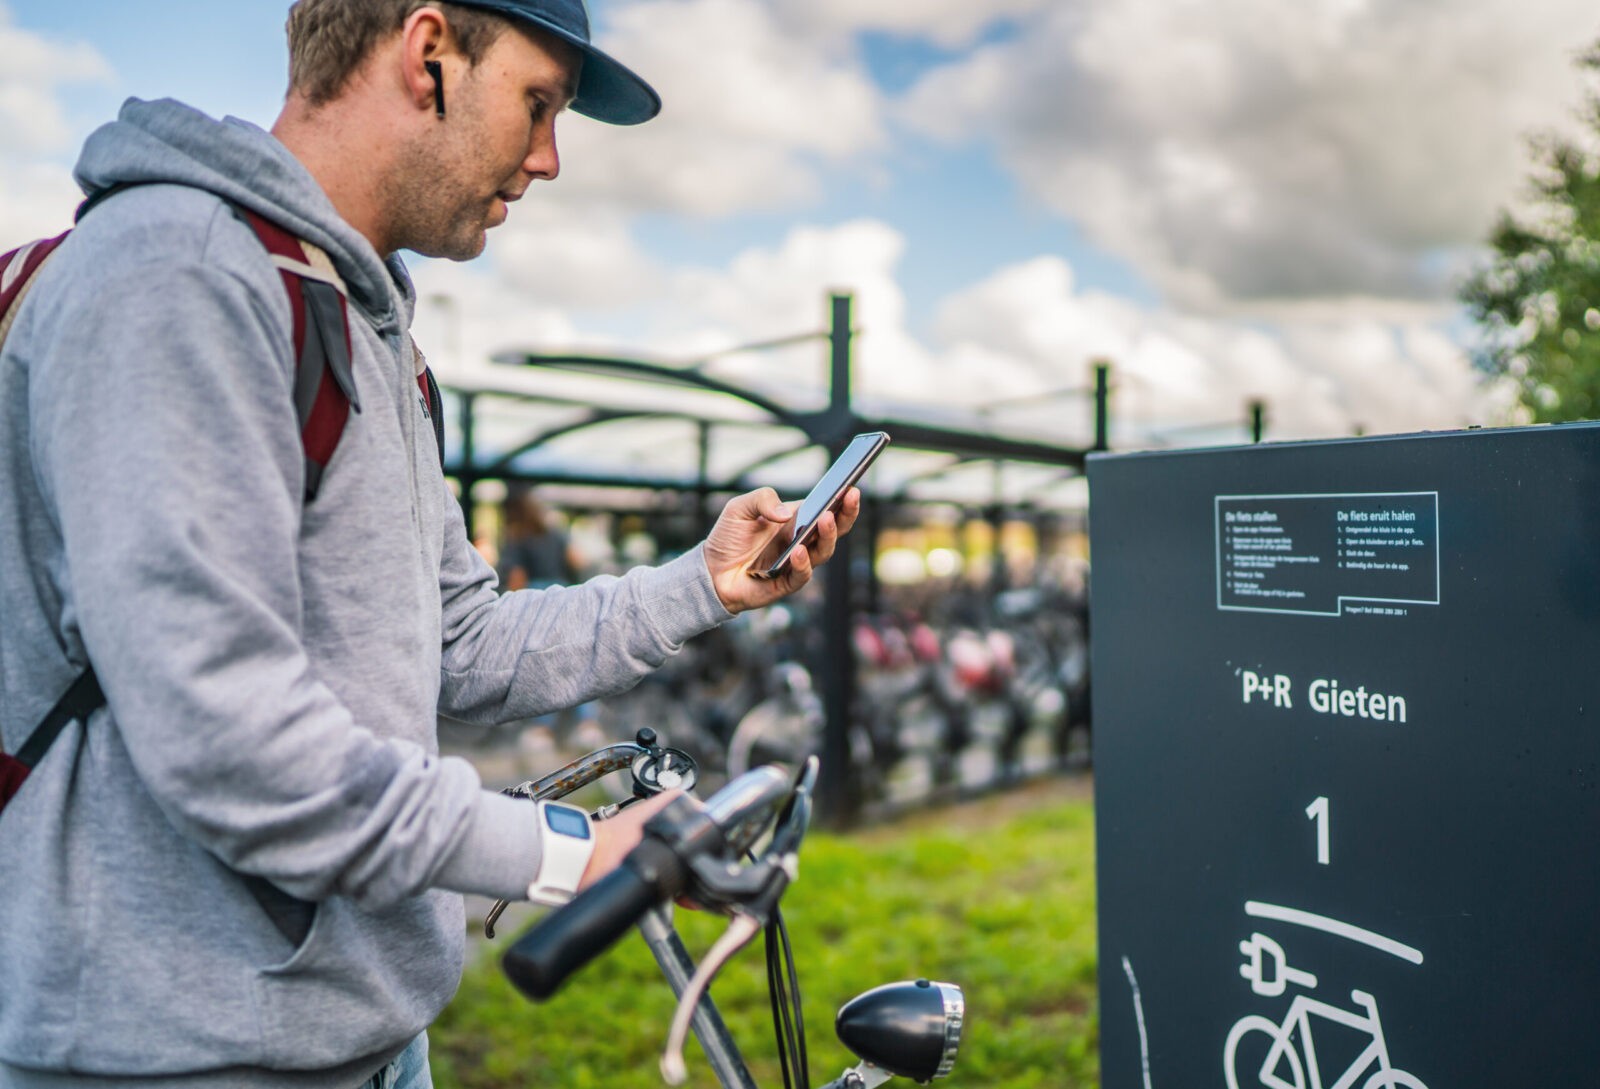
(497, 137)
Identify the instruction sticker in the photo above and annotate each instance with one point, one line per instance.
(1374, 553)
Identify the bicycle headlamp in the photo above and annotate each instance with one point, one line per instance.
(911, 1029)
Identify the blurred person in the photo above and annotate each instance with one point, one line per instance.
(534, 550)
(245, 865)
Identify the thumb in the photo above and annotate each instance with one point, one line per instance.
(761, 503)
(649, 807)
(615, 837)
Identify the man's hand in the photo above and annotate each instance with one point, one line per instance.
(616, 836)
(752, 532)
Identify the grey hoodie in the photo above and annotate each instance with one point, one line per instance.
(246, 870)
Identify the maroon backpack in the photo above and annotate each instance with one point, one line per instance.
(324, 394)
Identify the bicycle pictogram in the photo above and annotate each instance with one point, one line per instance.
(1291, 1060)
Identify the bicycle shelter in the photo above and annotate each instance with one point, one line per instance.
(771, 442)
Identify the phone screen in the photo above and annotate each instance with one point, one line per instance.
(845, 471)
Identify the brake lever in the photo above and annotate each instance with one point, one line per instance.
(741, 929)
(759, 887)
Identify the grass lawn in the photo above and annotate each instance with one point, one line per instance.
(996, 895)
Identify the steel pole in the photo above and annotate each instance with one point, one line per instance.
(838, 799)
(1102, 405)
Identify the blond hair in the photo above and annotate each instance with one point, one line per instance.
(330, 39)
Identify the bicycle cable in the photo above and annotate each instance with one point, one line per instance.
(788, 1020)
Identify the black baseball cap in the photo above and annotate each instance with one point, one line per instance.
(607, 91)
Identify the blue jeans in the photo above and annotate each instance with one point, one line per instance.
(408, 1070)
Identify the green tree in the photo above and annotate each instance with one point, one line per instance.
(1538, 297)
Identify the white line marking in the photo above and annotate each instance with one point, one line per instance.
(310, 272)
(1138, 1011)
(13, 271)
(1333, 926)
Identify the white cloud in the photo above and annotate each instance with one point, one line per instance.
(1248, 149)
(764, 291)
(1180, 378)
(551, 257)
(33, 72)
(579, 286)
(768, 292)
(751, 113)
(465, 315)
(37, 196)
(1237, 152)
(36, 201)
(1045, 317)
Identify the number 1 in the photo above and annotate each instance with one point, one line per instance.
(1318, 811)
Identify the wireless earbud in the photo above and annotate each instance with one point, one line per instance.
(437, 73)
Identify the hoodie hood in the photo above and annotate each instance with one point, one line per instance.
(168, 142)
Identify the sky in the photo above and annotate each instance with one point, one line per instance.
(1229, 201)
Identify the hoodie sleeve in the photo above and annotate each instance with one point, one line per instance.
(166, 445)
(533, 651)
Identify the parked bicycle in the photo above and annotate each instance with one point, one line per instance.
(956, 688)
(701, 695)
(737, 854)
(1049, 626)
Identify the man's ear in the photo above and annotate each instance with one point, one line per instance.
(425, 44)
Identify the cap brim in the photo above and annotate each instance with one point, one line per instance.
(608, 90)
(612, 92)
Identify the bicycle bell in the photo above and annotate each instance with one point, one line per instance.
(911, 1029)
(657, 768)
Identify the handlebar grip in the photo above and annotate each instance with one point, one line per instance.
(575, 933)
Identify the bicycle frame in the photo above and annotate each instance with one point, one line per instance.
(678, 967)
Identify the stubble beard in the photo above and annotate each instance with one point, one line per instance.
(435, 212)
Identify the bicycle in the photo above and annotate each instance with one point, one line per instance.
(907, 711)
(738, 853)
(785, 727)
(721, 678)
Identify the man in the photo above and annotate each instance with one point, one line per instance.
(246, 868)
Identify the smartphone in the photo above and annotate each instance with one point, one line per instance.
(829, 490)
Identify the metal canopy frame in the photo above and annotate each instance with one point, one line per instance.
(830, 428)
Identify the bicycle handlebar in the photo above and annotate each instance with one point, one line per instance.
(692, 850)
(577, 932)
(661, 867)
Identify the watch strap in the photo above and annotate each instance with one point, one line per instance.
(567, 842)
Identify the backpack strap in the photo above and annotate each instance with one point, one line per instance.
(324, 379)
(432, 399)
(79, 701)
(18, 269)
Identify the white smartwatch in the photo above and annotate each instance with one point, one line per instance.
(567, 842)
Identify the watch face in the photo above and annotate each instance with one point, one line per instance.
(567, 821)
